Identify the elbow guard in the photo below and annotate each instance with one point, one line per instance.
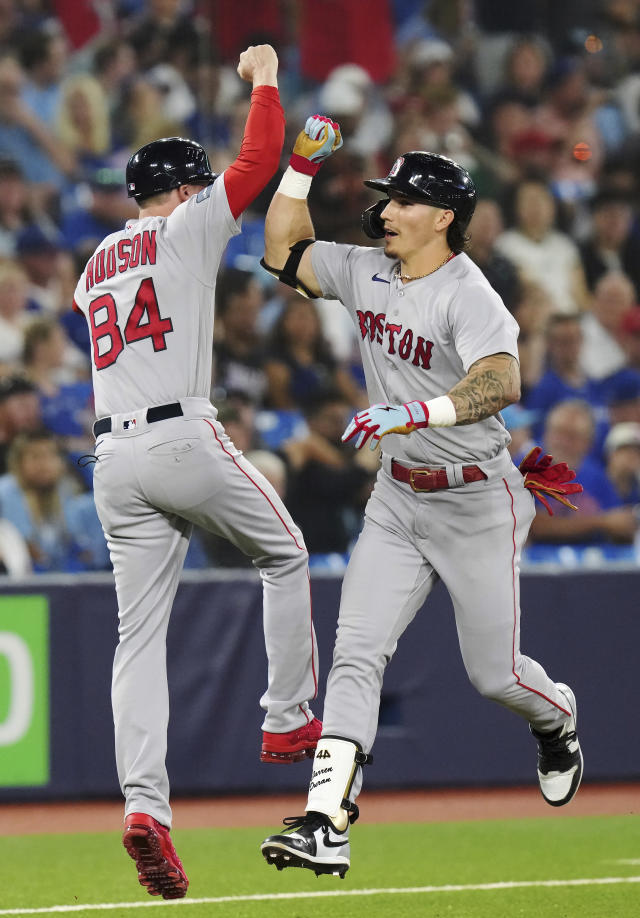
(288, 274)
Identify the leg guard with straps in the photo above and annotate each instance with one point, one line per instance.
(334, 768)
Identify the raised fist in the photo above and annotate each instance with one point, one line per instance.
(320, 138)
(259, 64)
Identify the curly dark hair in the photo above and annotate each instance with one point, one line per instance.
(457, 236)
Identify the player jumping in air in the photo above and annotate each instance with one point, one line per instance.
(440, 357)
(165, 463)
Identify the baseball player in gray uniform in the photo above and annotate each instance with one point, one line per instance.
(165, 463)
(440, 356)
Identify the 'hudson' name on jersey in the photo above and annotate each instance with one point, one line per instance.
(140, 249)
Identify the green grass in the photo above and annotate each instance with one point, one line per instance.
(47, 870)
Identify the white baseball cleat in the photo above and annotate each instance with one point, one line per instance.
(560, 757)
(311, 842)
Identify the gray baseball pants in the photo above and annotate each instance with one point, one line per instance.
(152, 482)
(471, 537)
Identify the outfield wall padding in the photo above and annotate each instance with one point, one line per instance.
(584, 627)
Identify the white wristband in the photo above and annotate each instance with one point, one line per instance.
(442, 412)
(295, 184)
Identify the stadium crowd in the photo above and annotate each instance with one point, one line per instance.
(539, 101)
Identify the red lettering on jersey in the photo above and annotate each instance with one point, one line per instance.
(367, 326)
(406, 344)
(89, 273)
(155, 327)
(99, 265)
(111, 261)
(371, 326)
(148, 255)
(123, 254)
(364, 331)
(108, 328)
(423, 353)
(135, 251)
(393, 331)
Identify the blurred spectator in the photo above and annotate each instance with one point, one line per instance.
(37, 250)
(578, 112)
(74, 323)
(525, 68)
(328, 484)
(19, 411)
(144, 117)
(569, 437)
(13, 312)
(532, 311)
(14, 196)
(238, 349)
(82, 120)
(35, 496)
(630, 337)
(299, 361)
(49, 358)
(217, 89)
(351, 97)
(519, 422)
(429, 65)
(273, 467)
(102, 209)
(602, 352)
(507, 117)
(542, 253)
(612, 245)
(114, 65)
(237, 415)
(486, 227)
(178, 101)
(28, 140)
(622, 451)
(621, 393)
(565, 377)
(339, 197)
(166, 32)
(44, 57)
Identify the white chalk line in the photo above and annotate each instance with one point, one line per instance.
(325, 894)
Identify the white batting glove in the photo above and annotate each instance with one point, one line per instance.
(376, 422)
(320, 138)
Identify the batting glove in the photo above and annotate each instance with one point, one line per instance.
(376, 422)
(544, 477)
(321, 137)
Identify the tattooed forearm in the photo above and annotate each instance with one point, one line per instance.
(490, 385)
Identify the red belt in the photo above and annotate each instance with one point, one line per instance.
(423, 479)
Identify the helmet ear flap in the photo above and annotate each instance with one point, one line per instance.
(372, 222)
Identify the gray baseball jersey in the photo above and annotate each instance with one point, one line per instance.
(417, 341)
(148, 295)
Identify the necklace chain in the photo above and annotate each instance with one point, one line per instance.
(410, 277)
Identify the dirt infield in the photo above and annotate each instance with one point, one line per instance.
(376, 806)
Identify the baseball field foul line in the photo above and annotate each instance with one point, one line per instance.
(265, 897)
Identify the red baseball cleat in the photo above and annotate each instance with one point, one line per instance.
(293, 746)
(159, 867)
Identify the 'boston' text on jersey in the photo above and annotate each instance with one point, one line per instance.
(405, 343)
(140, 249)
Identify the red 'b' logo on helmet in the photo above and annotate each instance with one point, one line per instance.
(396, 167)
